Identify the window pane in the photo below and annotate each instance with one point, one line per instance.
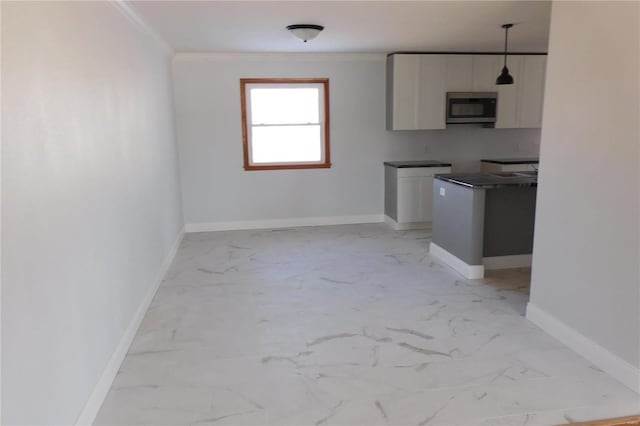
(284, 105)
(286, 144)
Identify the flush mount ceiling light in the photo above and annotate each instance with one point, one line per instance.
(505, 77)
(305, 32)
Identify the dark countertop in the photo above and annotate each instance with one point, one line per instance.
(425, 163)
(521, 160)
(491, 180)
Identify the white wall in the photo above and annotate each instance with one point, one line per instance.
(217, 189)
(90, 197)
(586, 253)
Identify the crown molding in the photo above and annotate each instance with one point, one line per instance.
(139, 22)
(289, 56)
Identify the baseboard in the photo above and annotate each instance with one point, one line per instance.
(405, 226)
(611, 364)
(91, 408)
(282, 223)
(471, 272)
(506, 262)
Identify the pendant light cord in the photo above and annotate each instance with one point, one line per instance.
(506, 35)
(504, 77)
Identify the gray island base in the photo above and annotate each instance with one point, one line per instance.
(483, 221)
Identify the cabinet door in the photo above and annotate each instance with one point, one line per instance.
(484, 73)
(402, 91)
(416, 92)
(432, 92)
(415, 199)
(459, 73)
(507, 111)
(531, 90)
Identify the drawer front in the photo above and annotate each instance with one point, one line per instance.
(422, 171)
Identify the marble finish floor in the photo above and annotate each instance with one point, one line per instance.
(346, 325)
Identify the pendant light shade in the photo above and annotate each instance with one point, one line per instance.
(505, 77)
(305, 32)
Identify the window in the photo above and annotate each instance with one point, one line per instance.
(285, 123)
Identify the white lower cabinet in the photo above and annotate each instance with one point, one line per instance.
(409, 196)
(414, 199)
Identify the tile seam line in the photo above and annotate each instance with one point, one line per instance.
(437, 389)
(561, 410)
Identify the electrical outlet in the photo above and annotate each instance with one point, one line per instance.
(442, 192)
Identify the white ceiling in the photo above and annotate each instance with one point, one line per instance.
(350, 26)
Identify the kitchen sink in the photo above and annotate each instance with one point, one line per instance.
(533, 173)
(514, 174)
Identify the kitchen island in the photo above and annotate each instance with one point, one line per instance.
(483, 220)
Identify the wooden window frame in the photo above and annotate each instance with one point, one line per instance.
(245, 129)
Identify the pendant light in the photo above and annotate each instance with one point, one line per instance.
(505, 77)
(305, 31)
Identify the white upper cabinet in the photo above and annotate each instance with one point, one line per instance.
(433, 96)
(520, 103)
(459, 76)
(531, 90)
(507, 113)
(471, 73)
(402, 93)
(417, 85)
(416, 92)
(484, 73)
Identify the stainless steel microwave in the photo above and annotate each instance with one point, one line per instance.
(472, 108)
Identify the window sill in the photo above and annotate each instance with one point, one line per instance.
(289, 167)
